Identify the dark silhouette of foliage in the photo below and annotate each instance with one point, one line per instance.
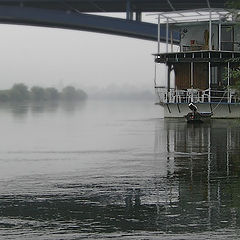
(69, 93)
(81, 95)
(19, 92)
(4, 95)
(235, 4)
(37, 93)
(51, 94)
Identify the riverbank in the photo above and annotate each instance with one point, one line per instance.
(20, 92)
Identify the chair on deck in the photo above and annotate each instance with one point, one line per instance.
(232, 96)
(193, 95)
(172, 96)
(180, 96)
(205, 95)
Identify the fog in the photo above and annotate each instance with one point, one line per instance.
(58, 57)
(105, 169)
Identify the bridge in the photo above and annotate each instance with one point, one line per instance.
(79, 14)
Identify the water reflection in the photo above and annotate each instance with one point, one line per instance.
(188, 184)
(44, 107)
(206, 167)
(20, 110)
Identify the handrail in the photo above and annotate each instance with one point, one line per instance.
(196, 95)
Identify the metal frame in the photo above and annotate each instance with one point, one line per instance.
(176, 17)
(194, 15)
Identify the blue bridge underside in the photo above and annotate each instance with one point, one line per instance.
(80, 21)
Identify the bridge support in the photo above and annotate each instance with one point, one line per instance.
(80, 21)
(129, 13)
(138, 16)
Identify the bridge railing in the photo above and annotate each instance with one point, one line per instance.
(165, 95)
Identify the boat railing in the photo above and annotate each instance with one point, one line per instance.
(165, 95)
(225, 46)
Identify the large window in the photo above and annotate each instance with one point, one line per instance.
(227, 38)
(214, 75)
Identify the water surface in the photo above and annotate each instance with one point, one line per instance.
(117, 170)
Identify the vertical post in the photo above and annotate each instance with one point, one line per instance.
(171, 41)
(209, 80)
(155, 75)
(167, 34)
(159, 34)
(170, 94)
(138, 16)
(219, 35)
(210, 30)
(228, 74)
(168, 77)
(129, 14)
(228, 79)
(155, 83)
(191, 66)
(191, 78)
(181, 45)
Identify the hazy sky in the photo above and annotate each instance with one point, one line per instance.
(58, 57)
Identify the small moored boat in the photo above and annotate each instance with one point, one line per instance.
(195, 116)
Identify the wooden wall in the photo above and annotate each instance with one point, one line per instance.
(200, 79)
(183, 75)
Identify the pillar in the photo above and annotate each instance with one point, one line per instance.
(129, 13)
(138, 16)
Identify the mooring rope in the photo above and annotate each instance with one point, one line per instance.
(220, 101)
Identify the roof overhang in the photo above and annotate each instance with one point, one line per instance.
(196, 15)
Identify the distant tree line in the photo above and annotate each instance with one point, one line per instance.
(20, 92)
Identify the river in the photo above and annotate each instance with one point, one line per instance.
(116, 170)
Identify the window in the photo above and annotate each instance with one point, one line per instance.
(227, 38)
(214, 75)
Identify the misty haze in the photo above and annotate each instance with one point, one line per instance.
(95, 143)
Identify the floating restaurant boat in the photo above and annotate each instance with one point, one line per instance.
(199, 68)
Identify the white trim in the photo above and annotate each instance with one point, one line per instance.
(192, 73)
(193, 15)
(219, 35)
(167, 34)
(210, 30)
(228, 76)
(159, 33)
(209, 80)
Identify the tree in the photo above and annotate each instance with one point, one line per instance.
(81, 95)
(19, 92)
(234, 4)
(4, 95)
(37, 93)
(234, 73)
(69, 93)
(51, 94)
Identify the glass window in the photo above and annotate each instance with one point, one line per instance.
(214, 75)
(227, 38)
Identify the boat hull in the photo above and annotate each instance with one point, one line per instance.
(223, 110)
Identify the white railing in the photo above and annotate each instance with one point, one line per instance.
(196, 96)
